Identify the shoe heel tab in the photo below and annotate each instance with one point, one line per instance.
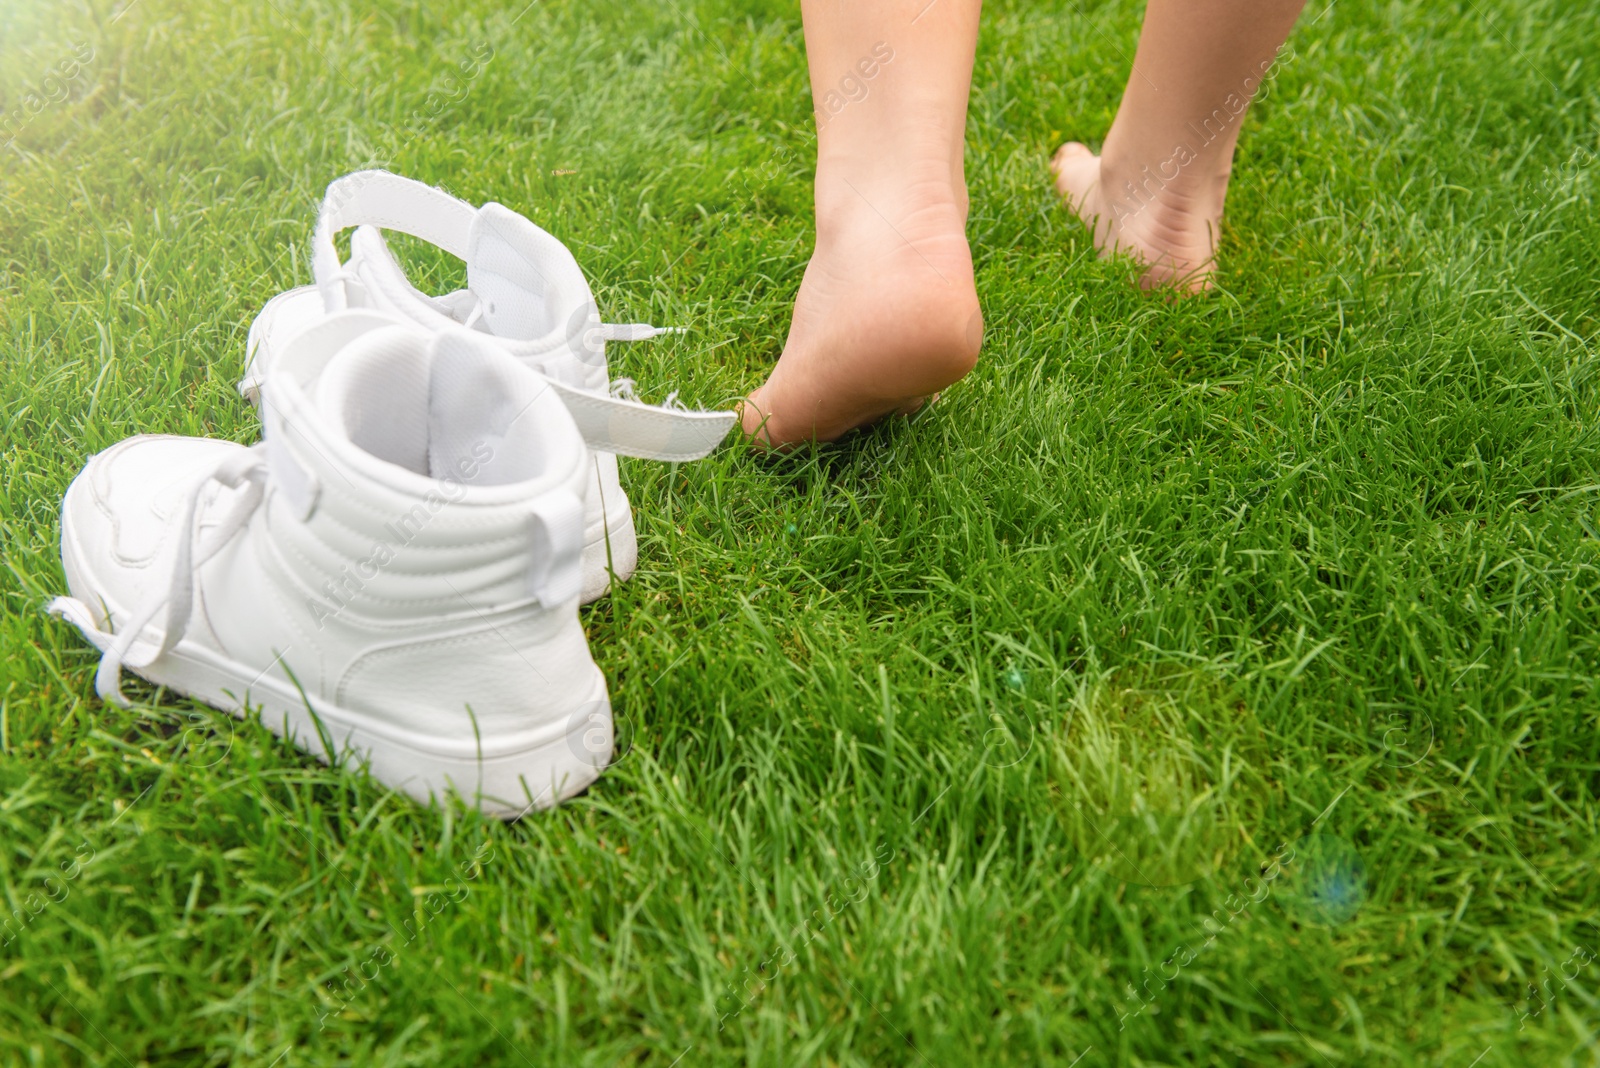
(390, 202)
(555, 550)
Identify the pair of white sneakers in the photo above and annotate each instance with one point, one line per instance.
(394, 573)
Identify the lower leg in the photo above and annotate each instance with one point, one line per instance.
(887, 313)
(1157, 188)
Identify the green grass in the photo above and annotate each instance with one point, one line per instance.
(940, 741)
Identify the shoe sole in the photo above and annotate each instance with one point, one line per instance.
(506, 777)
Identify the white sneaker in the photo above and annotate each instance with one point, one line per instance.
(526, 292)
(394, 572)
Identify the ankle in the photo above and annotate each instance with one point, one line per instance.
(917, 199)
(1167, 190)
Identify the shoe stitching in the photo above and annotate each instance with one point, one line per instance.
(288, 544)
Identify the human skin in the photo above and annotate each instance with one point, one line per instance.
(1156, 190)
(887, 314)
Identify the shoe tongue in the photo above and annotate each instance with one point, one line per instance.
(528, 282)
(482, 424)
(453, 408)
(375, 390)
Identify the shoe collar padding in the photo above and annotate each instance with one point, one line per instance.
(516, 469)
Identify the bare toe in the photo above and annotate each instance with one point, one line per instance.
(1077, 172)
(1162, 224)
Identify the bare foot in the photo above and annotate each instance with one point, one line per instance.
(887, 314)
(1165, 213)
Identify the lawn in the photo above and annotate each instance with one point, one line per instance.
(1202, 682)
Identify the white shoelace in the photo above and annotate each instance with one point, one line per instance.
(623, 389)
(637, 331)
(245, 469)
